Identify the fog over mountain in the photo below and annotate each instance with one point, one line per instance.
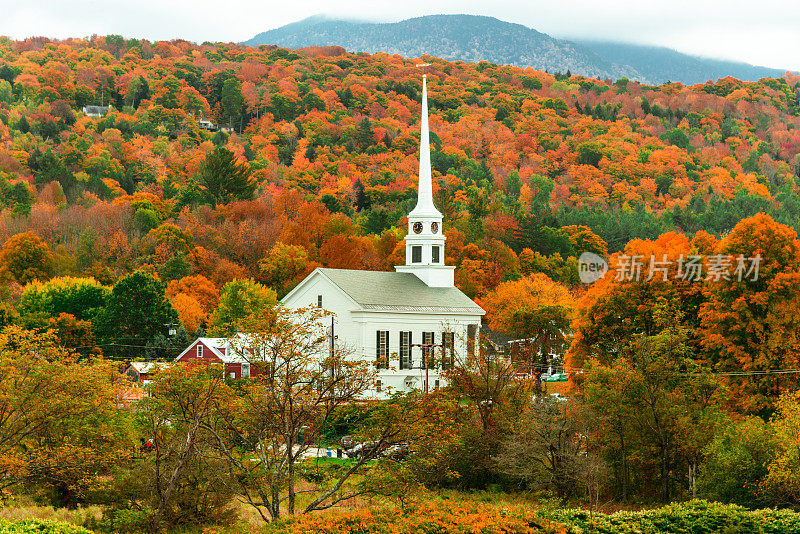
(479, 38)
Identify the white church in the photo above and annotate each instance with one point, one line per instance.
(395, 319)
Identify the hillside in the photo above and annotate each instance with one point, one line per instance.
(329, 141)
(452, 37)
(661, 65)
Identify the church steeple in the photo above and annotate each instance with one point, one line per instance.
(425, 207)
(425, 241)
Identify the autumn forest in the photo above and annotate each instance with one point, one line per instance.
(214, 177)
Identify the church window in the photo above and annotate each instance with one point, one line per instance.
(319, 301)
(382, 353)
(427, 352)
(416, 254)
(435, 254)
(405, 350)
(378, 386)
(448, 349)
(472, 334)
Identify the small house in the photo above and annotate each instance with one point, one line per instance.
(205, 124)
(217, 350)
(142, 372)
(95, 112)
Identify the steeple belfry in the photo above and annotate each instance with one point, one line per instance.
(425, 240)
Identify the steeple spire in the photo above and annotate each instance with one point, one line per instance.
(425, 240)
(425, 206)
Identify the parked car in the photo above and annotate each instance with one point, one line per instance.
(361, 450)
(347, 442)
(397, 451)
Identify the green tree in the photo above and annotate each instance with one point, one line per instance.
(116, 43)
(5, 91)
(376, 220)
(656, 403)
(145, 220)
(136, 311)
(735, 462)
(677, 137)
(175, 268)
(222, 179)
(364, 134)
(782, 481)
(284, 108)
(137, 90)
(232, 102)
(283, 265)
(240, 301)
(81, 297)
(169, 98)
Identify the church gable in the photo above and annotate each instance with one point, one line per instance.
(318, 290)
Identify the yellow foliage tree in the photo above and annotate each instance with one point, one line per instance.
(783, 472)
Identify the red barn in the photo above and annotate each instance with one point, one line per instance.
(216, 350)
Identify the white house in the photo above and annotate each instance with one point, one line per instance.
(96, 112)
(394, 318)
(205, 124)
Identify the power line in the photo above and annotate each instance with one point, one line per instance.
(567, 369)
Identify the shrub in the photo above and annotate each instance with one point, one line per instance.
(434, 517)
(696, 517)
(40, 526)
(123, 521)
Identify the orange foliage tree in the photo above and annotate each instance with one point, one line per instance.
(751, 325)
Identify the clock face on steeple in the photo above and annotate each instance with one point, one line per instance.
(417, 227)
(434, 227)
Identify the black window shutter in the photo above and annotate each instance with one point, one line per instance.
(378, 349)
(402, 363)
(410, 351)
(444, 351)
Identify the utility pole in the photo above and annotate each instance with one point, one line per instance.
(332, 349)
(427, 350)
(332, 337)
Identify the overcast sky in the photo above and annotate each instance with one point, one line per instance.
(766, 32)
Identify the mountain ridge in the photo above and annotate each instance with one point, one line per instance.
(475, 38)
(469, 38)
(663, 64)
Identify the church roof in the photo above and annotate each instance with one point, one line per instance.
(392, 291)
